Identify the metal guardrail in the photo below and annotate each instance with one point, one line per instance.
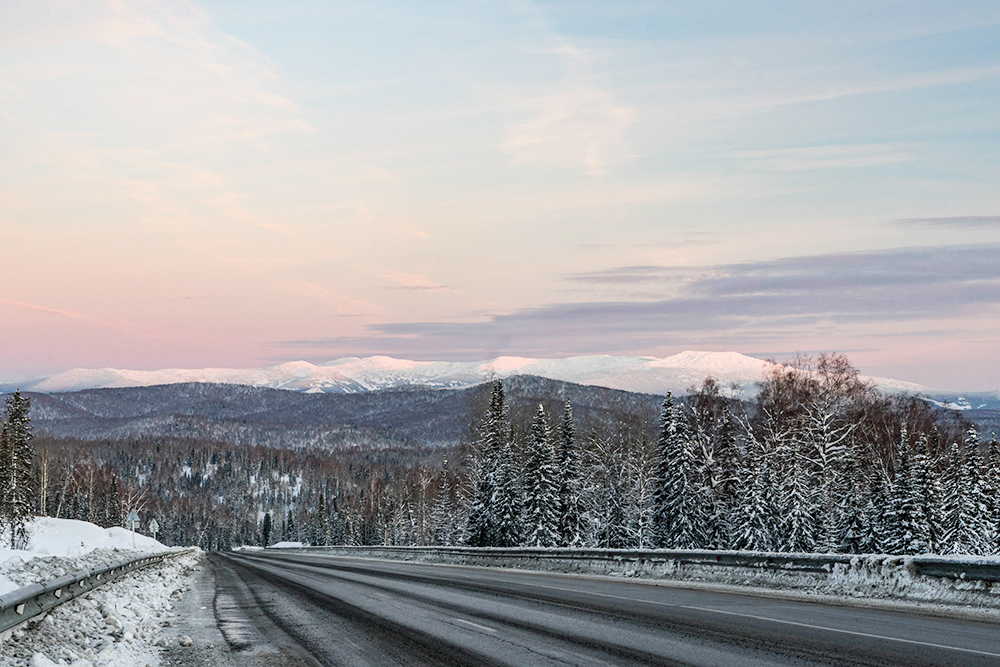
(985, 568)
(22, 604)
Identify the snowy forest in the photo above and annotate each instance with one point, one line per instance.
(818, 461)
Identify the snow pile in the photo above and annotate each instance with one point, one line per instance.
(117, 625)
(62, 546)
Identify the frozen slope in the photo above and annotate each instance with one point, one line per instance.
(650, 375)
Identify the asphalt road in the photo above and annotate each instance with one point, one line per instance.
(348, 611)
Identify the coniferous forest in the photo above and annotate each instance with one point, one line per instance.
(818, 461)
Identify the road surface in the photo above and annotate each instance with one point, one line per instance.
(330, 610)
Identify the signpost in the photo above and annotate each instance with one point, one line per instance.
(153, 528)
(133, 523)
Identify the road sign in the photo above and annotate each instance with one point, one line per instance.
(132, 524)
(153, 528)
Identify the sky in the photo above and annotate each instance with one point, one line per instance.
(243, 183)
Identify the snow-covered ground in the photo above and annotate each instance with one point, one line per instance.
(62, 546)
(116, 625)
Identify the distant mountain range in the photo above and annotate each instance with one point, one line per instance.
(737, 373)
(262, 416)
(386, 402)
(648, 375)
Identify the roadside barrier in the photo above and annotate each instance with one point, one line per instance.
(986, 569)
(23, 604)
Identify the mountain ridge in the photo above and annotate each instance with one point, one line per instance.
(649, 375)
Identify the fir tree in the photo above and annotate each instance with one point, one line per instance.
(964, 511)
(321, 526)
(493, 470)
(754, 525)
(679, 519)
(981, 535)
(851, 510)
(445, 510)
(17, 491)
(872, 525)
(113, 504)
(925, 492)
(507, 502)
(541, 506)
(614, 531)
(570, 484)
(798, 501)
(265, 530)
(901, 530)
(664, 513)
(991, 488)
(826, 439)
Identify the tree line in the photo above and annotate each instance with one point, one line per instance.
(817, 461)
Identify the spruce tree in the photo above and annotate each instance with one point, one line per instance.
(851, 510)
(981, 533)
(925, 492)
(679, 518)
(614, 531)
(17, 492)
(798, 501)
(664, 512)
(507, 503)
(265, 530)
(570, 484)
(444, 511)
(494, 455)
(963, 511)
(541, 500)
(873, 526)
(991, 487)
(901, 532)
(755, 521)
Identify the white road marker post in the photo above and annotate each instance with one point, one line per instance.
(133, 523)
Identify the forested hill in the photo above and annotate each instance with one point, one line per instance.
(262, 416)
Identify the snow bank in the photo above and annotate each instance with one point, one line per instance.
(286, 545)
(121, 624)
(116, 625)
(61, 546)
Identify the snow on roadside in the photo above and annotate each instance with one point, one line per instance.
(878, 577)
(116, 625)
(63, 546)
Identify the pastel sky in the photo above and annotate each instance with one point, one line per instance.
(241, 183)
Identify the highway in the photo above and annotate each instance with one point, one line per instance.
(359, 612)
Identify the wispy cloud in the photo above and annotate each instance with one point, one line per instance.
(341, 304)
(758, 301)
(954, 221)
(113, 325)
(828, 157)
(415, 281)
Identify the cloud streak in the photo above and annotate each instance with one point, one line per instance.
(954, 221)
(761, 301)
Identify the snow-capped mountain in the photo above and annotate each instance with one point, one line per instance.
(649, 375)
